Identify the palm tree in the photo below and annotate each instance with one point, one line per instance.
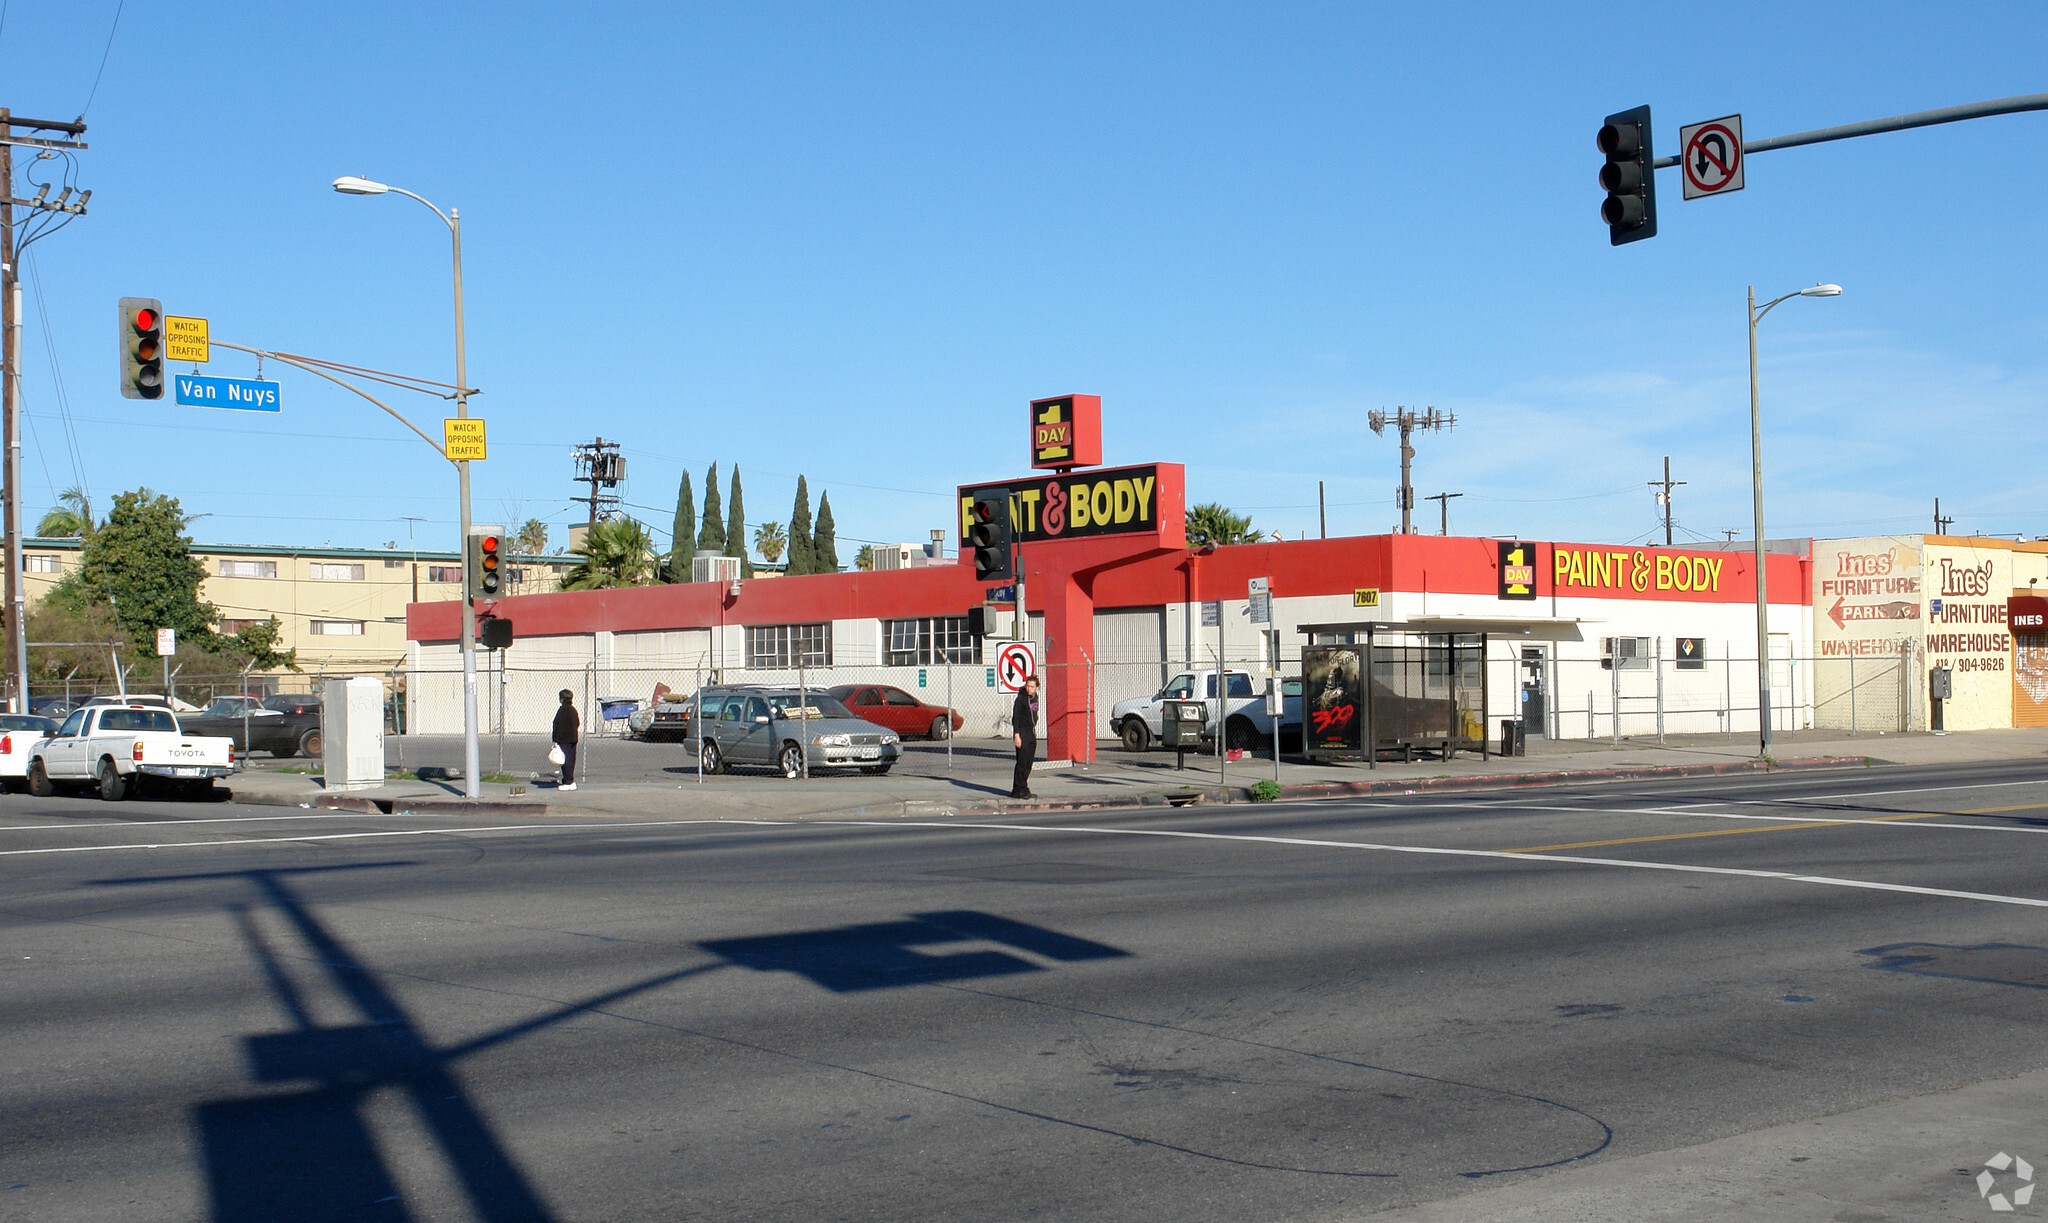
(1211, 523)
(769, 541)
(532, 539)
(864, 560)
(70, 519)
(616, 553)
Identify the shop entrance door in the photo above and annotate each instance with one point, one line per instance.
(1535, 691)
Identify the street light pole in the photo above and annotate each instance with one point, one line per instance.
(1756, 476)
(471, 756)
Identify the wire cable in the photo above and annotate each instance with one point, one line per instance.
(103, 58)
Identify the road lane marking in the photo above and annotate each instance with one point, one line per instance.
(397, 832)
(1497, 854)
(1724, 832)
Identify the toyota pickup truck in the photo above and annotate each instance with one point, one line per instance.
(1136, 721)
(120, 747)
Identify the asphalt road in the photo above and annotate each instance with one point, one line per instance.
(1294, 1012)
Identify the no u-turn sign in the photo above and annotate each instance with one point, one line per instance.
(1710, 155)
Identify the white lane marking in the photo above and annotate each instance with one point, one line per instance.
(1975, 785)
(1304, 842)
(400, 832)
(1788, 818)
(1786, 876)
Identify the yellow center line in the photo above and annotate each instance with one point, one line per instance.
(1730, 832)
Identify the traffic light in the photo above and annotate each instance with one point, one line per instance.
(1631, 181)
(988, 533)
(977, 621)
(482, 561)
(142, 348)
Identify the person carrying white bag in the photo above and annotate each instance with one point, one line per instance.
(563, 751)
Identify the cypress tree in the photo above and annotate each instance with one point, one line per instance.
(712, 536)
(685, 531)
(800, 531)
(824, 548)
(736, 527)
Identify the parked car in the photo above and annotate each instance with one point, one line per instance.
(898, 710)
(284, 726)
(785, 729)
(18, 733)
(668, 720)
(52, 706)
(122, 746)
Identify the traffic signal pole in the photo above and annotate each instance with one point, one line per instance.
(1897, 123)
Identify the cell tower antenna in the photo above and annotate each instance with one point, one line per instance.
(1407, 421)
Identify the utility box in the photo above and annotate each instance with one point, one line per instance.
(1941, 684)
(352, 733)
(1181, 723)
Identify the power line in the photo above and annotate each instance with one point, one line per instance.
(103, 58)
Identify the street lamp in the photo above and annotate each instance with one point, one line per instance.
(471, 786)
(1756, 472)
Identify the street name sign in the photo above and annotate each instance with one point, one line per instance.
(462, 437)
(185, 339)
(241, 394)
(1710, 155)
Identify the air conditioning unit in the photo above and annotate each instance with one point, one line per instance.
(898, 556)
(714, 567)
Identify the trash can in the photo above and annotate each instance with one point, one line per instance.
(1514, 738)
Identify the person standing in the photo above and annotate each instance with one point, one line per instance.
(566, 726)
(1024, 732)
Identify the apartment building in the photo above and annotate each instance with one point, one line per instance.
(342, 609)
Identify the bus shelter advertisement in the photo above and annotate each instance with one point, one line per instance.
(1333, 695)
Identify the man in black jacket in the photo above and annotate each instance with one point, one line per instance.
(1024, 732)
(566, 726)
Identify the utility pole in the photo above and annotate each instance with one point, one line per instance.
(10, 351)
(600, 465)
(1407, 421)
(1664, 498)
(1941, 524)
(1443, 501)
(1322, 514)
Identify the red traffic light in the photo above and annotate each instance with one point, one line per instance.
(145, 321)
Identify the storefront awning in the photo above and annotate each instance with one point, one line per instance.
(1543, 628)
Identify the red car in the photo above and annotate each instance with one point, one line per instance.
(898, 710)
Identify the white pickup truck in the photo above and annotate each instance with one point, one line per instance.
(120, 746)
(1137, 721)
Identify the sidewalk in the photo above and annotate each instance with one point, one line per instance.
(641, 780)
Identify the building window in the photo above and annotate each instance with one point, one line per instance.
(788, 645)
(394, 562)
(335, 628)
(39, 564)
(516, 577)
(230, 627)
(444, 573)
(323, 572)
(930, 641)
(1630, 653)
(248, 569)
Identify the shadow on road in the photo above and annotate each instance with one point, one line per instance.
(307, 1152)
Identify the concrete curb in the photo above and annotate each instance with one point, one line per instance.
(398, 805)
(1353, 789)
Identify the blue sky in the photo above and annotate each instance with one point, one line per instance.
(851, 241)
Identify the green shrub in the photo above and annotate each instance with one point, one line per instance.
(1266, 791)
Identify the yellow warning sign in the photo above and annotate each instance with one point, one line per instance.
(462, 437)
(185, 339)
